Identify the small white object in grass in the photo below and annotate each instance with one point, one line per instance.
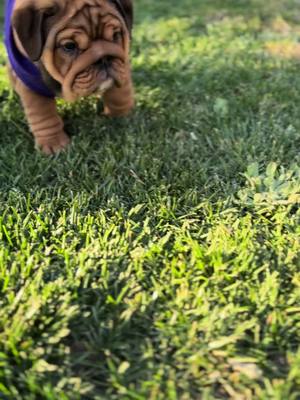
(193, 136)
(221, 107)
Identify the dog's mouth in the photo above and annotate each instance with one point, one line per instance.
(96, 70)
(96, 79)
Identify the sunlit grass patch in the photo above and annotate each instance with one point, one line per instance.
(284, 49)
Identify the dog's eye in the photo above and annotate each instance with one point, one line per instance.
(117, 37)
(69, 47)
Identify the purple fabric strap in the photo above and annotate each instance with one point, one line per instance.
(23, 67)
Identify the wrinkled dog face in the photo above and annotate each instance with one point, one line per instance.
(81, 46)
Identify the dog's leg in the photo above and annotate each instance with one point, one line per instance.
(119, 101)
(44, 121)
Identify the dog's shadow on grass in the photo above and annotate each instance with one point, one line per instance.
(178, 130)
(191, 117)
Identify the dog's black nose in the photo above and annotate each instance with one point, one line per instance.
(104, 63)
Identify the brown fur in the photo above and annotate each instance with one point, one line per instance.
(100, 30)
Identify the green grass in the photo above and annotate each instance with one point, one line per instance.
(159, 257)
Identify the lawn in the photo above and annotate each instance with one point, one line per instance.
(159, 257)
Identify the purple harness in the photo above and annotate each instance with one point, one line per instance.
(22, 66)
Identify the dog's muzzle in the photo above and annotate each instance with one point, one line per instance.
(100, 51)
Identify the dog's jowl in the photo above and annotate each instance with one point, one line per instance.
(68, 49)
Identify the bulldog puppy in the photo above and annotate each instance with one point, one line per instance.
(68, 49)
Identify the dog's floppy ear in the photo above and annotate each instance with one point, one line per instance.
(125, 8)
(29, 22)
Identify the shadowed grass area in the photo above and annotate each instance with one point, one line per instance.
(159, 257)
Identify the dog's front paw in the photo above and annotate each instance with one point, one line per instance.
(118, 111)
(119, 102)
(52, 144)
